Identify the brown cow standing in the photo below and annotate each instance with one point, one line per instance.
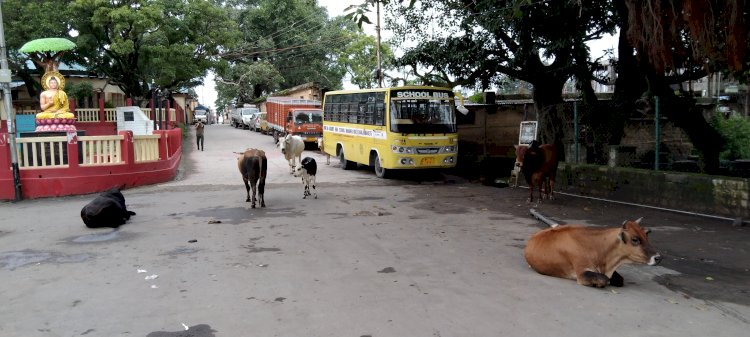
(538, 163)
(253, 166)
(589, 255)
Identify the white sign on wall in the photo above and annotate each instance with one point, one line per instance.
(527, 132)
(133, 119)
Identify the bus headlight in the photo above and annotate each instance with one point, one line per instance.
(449, 149)
(402, 149)
(449, 160)
(406, 161)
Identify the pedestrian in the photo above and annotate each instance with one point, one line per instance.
(199, 135)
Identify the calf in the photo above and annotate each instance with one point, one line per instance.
(253, 166)
(322, 150)
(292, 147)
(538, 163)
(307, 169)
(589, 255)
(106, 210)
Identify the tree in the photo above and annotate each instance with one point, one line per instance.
(359, 59)
(171, 43)
(542, 43)
(293, 40)
(680, 40)
(29, 20)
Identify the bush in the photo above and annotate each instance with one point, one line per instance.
(736, 133)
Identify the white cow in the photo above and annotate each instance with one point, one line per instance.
(292, 147)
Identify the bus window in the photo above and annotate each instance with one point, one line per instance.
(422, 116)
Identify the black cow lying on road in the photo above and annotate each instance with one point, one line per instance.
(307, 169)
(106, 210)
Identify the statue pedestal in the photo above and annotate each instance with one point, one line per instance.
(55, 124)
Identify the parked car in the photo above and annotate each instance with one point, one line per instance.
(259, 118)
(241, 117)
(264, 124)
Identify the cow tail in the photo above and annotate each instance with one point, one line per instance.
(261, 175)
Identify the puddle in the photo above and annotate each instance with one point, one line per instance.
(244, 214)
(181, 251)
(17, 259)
(101, 237)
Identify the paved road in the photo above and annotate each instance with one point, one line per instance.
(424, 255)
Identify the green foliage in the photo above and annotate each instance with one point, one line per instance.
(289, 43)
(133, 43)
(359, 57)
(736, 132)
(79, 90)
(477, 98)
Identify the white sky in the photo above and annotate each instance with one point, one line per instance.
(207, 92)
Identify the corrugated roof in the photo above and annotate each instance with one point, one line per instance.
(63, 66)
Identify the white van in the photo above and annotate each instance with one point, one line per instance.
(201, 115)
(243, 117)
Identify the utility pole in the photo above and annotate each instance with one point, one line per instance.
(377, 49)
(5, 79)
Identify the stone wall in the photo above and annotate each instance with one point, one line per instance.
(715, 195)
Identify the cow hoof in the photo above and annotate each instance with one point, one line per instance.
(248, 200)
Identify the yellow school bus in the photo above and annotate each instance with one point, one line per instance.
(401, 128)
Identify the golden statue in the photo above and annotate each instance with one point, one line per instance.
(55, 115)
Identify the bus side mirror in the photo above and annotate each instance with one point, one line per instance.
(460, 106)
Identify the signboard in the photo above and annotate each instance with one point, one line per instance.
(527, 133)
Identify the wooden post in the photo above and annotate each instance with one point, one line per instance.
(163, 141)
(128, 151)
(102, 115)
(72, 150)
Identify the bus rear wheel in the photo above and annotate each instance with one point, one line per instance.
(380, 171)
(345, 164)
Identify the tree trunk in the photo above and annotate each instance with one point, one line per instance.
(682, 111)
(552, 120)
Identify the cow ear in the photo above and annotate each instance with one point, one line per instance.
(647, 231)
(622, 237)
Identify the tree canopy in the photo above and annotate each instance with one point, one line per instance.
(283, 44)
(171, 43)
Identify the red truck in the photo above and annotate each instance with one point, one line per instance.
(302, 117)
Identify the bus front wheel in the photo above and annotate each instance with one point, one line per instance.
(380, 171)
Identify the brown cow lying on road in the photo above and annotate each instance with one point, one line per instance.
(538, 163)
(253, 166)
(589, 255)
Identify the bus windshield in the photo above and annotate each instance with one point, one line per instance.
(308, 116)
(423, 116)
